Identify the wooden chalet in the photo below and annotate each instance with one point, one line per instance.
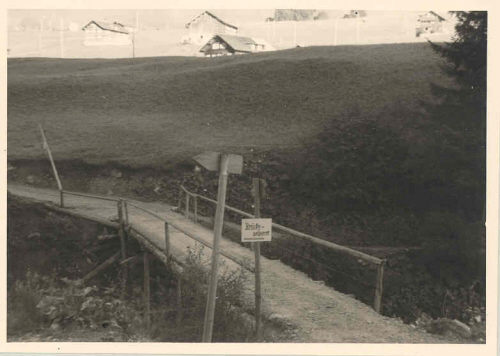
(205, 25)
(101, 33)
(430, 23)
(223, 45)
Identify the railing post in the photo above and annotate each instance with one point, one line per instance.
(195, 208)
(167, 242)
(61, 193)
(379, 287)
(187, 206)
(121, 233)
(147, 297)
(125, 205)
(178, 318)
(180, 200)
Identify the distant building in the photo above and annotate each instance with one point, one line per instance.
(223, 45)
(429, 23)
(206, 25)
(102, 33)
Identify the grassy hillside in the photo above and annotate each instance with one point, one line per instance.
(154, 111)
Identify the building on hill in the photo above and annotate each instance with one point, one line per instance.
(429, 23)
(205, 26)
(102, 33)
(223, 45)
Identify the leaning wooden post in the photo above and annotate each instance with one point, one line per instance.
(187, 205)
(56, 175)
(178, 319)
(147, 293)
(195, 208)
(225, 164)
(256, 245)
(125, 206)
(219, 217)
(379, 287)
(121, 233)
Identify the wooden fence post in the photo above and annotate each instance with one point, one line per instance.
(195, 208)
(187, 205)
(61, 193)
(147, 294)
(121, 233)
(178, 319)
(180, 200)
(125, 205)
(167, 242)
(379, 287)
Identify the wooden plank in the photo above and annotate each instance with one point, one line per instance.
(211, 161)
(98, 269)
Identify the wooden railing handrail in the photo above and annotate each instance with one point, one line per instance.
(193, 236)
(372, 259)
(91, 196)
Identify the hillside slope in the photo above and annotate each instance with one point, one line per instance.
(161, 110)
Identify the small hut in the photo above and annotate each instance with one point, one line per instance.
(102, 33)
(205, 25)
(224, 45)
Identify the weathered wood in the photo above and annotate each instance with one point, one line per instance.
(178, 319)
(256, 245)
(131, 259)
(219, 218)
(167, 242)
(379, 287)
(330, 245)
(195, 208)
(98, 269)
(125, 206)
(95, 219)
(123, 246)
(187, 206)
(147, 292)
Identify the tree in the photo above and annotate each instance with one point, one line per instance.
(460, 114)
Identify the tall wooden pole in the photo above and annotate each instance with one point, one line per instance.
(219, 217)
(379, 287)
(258, 296)
(49, 153)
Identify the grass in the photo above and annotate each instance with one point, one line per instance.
(158, 111)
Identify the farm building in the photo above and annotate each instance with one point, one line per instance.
(223, 45)
(429, 23)
(101, 33)
(205, 25)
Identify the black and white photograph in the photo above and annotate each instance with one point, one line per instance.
(226, 175)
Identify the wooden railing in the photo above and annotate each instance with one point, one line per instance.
(378, 262)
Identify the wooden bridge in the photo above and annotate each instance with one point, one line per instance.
(288, 296)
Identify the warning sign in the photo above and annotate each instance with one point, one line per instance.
(256, 230)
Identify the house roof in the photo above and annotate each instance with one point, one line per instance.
(213, 16)
(439, 17)
(113, 27)
(238, 43)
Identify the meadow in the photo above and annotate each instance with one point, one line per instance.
(159, 111)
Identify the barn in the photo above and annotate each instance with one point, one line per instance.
(99, 33)
(224, 45)
(429, 23)
(205, 25)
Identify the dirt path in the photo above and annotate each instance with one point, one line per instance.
(314, 312)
